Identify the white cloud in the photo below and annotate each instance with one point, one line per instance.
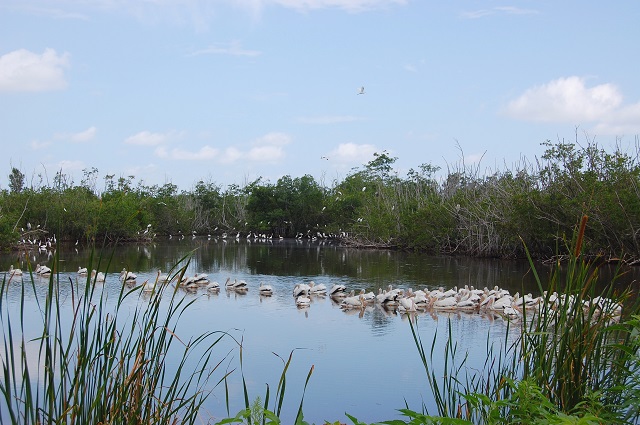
(348, 5)
(625, 121)
(231, 155)
(265, 153)
(503, 10)
(233, 48)
(329, 119)
(205, 153)
(82, 136)
(38, 144)
(353, 153)
(147, 138)
(570, 100)
(267, 148)
(274, 138)
(22, 70)
(67, 166)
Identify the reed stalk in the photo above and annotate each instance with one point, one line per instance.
(98, 361)
(572, 358)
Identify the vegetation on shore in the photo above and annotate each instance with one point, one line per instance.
(462, 213)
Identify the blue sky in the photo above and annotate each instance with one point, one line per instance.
(226, 91)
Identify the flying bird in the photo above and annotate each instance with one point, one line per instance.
(361, 91)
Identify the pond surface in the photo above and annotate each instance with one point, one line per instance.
(365, 361)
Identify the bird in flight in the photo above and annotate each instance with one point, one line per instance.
(361, 91)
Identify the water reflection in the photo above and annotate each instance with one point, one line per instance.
(351, 350)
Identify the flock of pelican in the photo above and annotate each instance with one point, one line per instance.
(40, 270)
(467, 298)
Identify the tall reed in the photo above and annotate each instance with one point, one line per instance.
(96, 360)
(577, 355)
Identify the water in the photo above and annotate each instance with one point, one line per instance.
(365, 362)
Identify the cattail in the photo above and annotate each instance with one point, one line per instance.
(583, 225)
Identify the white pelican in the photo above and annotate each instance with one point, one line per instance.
(149, 286)
(82, 271)
(338, 290)
(320, 289)
(162, 277)
(510, 312)
(266, 290)
(240, 285)
(97, 276)
(14, 272)
(446, 303)
(353, 301)
(407, 304)
(361, 90)
(126, 276)
(303, 301)
(201, 278)
(44, 271)
(301, 289)
(368, 297)
(213, 286)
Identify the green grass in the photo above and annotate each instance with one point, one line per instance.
(572, 362)
(98, 361)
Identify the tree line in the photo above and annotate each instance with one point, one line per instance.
(458, 212)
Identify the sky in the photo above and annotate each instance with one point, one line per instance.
(229, 91)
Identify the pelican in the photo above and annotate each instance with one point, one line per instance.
(162, 277)
(407, 304)
(14, 272)
(44, 271)
(510, 312)
(266, 290)
(149, 286)
(353, 301)
(361, 90)
(303, 301)
(97, 276)
(320, 289)
(126, 276)
(368, 297)
(446, 303)
(201, 278)
(82, 271)
(213, 286)
(228, 284)
(240, 285)
(337, 290)
(301, 289)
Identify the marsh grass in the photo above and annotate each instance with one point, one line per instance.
(99, 360)
(572, 361)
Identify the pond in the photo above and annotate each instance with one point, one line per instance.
(365, 361)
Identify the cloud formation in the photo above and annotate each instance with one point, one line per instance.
(233, 48)
(570, 100)
(80, 137)
(147, 138)
(268, 148)
(353, 153)
(329, 119)
(348, 5)
(25, 71)
(502, 10)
